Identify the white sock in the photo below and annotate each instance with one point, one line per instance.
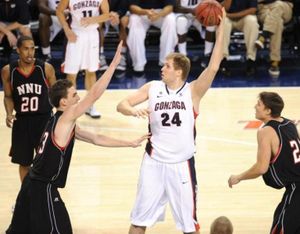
(124, 50)
(182, 48)
(101, 49)
(46, 50)
(208, 47)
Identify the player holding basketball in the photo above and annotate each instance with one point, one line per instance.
(82, 52)
(278, 158)
(39, 207)
(167, 172)
(185, 18)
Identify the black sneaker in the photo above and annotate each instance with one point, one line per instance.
(250, 67)
(205, 60)
(224, 69)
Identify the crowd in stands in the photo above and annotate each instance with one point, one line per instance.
(262, 23)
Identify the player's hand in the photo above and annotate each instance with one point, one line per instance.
(138, 142)
(141, 113)
(10, 120)
(87, 21)
(114, 18)
(71, 36)
(233, 179)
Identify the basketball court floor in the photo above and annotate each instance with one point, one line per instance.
(102, 182)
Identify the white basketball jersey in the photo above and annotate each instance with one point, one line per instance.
(172, 123)
(83, 8)
(53, 4)
(189, 3)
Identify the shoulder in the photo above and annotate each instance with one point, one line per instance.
(5, 71)
(267, 132)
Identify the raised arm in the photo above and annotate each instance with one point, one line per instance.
(106, 141)
(264, 153)
(8, 99)
(127, 105)
(205, 79)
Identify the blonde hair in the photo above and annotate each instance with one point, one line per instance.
(221, 225)
(181, 62)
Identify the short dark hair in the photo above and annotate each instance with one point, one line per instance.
(23, 38)
(58, 91)
(273, 102)
(181, 62)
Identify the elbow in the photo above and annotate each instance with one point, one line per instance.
(119, 107)
(262, 169)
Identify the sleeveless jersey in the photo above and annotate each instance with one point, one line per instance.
(30, 92)
(171, 123)
(53, 4)
(51, 163)
(189, 3)
(284, 168)
(83, 8)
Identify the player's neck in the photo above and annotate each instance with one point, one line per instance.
(25, 67)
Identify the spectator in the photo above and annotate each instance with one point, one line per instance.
(273, 14)
(185, 18)
(241, 16)
(14, 15)
(144, 14)
(120, 7)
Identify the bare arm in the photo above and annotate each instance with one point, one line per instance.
(204, 81)
(104, 16)
(264, 153)
(50, 73)
(8, 100)
(44, 8)
(106, 141)
(127, 105)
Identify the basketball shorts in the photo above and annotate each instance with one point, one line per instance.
(160, 183)
(39, 209)
(84, 53)
(55, 27)
(26, 134)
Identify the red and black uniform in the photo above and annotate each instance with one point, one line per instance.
(284, 171)
(33, 110)
(39, 207)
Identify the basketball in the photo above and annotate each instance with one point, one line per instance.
(207, 12)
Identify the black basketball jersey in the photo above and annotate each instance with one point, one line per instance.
(30, 92)
(284, 168)
(51, 163)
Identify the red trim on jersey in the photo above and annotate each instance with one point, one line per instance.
(195, 113)
(23, 74)
(62, 67)
(62, 148)
(277, 154)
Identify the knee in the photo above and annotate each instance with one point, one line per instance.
(181, 25)
(44, 20)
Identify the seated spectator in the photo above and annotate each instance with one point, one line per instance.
(120, 7)
(273, 14)
(185, 18)
(158, 13)
(241, 16)
(14, 15)
(49, 25)
(221, 225)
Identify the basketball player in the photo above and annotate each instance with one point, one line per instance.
(39, 207)
(82, 52)
(278, 158)
(221, 225)
(49, 25)
(185, 18)
(25, 84)
(167, 173)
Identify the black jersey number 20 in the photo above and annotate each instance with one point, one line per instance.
(174, 120)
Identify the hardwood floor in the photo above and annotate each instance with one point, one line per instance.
(102, 182)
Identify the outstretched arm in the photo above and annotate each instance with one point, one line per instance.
(204, 81)
(127, 105)
(264, 153)
(106, 141)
